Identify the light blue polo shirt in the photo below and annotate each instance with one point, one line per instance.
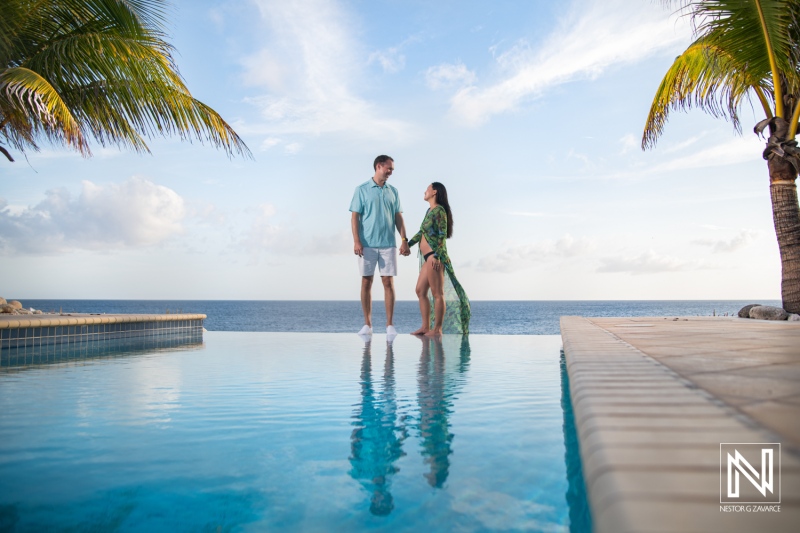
(377, 206)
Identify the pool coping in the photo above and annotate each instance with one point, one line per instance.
(8, 321)
(47, 335)
(650, 436)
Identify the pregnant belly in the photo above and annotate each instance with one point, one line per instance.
(424, 247)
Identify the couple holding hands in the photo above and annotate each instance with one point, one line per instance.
(375, 213)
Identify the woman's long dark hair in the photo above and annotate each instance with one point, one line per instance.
(441, 199)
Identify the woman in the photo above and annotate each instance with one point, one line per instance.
(434, 264)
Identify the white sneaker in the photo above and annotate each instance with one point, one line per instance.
(390, 330)
(366, 330)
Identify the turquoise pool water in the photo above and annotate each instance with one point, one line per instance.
(293, 432)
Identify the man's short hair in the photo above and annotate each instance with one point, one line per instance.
(381, 159)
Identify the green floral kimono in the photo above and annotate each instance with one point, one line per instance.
(457, 313)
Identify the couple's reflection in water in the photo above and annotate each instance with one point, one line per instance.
(382, 424)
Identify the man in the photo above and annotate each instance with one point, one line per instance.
(375, 213)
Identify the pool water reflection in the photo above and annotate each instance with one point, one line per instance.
(295, 432)
(381, 429)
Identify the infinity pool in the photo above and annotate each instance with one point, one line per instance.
(294, 432)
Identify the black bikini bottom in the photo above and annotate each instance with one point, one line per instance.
(426, 256)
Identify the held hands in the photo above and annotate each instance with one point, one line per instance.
(358, 249)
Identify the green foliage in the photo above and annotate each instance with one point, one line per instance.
(71, 70)
(742, 48)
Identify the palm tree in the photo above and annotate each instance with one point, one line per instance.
(746, 50)
(71, 70)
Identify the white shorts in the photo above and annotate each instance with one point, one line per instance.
(384, 258)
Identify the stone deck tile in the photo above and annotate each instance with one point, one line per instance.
(649, 433)
(778, 416)
(668, 516)
(756, 361)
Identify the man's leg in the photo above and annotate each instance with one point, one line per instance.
(388, 291)
(366, 299)
(387, 262)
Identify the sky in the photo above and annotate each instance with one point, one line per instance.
(531, 114)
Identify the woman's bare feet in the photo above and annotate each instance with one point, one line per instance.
(433, 333)
(420, 331)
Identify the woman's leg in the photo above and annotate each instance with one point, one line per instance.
(436, 282)
(424, 305)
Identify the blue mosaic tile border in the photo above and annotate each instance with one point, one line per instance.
(72, 352)
(39, 336)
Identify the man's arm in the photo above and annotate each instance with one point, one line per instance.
(355, 220)
(401, 227)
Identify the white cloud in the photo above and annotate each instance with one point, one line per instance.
(265, 236)
(520, 257)
(340, 242)
(735, 151)
(588, 166)
(595, 36)
(629, 142)
(262, 233)
(205, 213)
(269, 142)
(134, 213)
(309, 66)
(448, 75)
(391, 60)
(293, 148)
(266, 69)
(738, 242)
(647, 263)
(669, 149)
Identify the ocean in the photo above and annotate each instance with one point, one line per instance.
(488, 317)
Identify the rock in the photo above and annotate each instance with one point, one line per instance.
(2, 300)
(744, 312)
(5, 308)
(15, 304)
(37, 312)
(794, 317)
(767, 312)
(23, 311)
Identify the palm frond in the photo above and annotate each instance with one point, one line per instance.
(703, 76)
(26, 90)
(106, 64)
(759, 33)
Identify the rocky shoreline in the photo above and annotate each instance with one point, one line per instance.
(14, 307)
(767, 312)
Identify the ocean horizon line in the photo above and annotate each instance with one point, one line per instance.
(396, 300)
(508, 317)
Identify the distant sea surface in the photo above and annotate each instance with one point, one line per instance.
(488, 317)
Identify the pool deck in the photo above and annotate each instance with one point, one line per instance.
(653, 399)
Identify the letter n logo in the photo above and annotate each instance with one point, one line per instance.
(750, 472)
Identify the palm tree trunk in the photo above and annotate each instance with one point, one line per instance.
(786, 216)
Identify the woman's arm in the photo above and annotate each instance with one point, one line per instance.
(437, 232)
